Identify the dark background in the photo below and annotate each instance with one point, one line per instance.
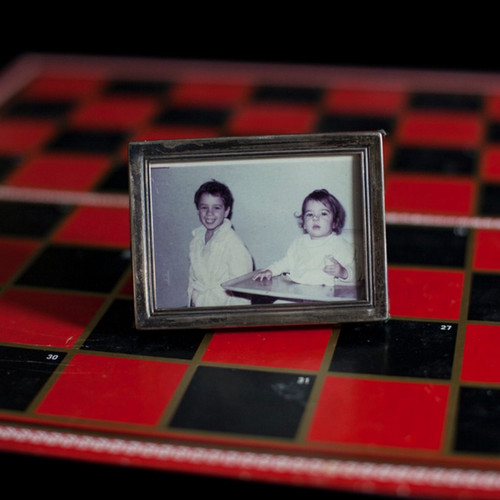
(372, 35)
(380, 36)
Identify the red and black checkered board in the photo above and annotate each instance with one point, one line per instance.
(411, 405)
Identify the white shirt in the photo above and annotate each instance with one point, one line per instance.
(306, 258)
(222, 258)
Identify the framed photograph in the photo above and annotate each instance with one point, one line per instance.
(254, 231)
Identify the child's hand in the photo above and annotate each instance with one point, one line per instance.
(262, 275)
(335, 268)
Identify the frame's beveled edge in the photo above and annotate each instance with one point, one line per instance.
(198, 147)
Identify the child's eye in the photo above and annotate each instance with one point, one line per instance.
(308, 215)
(206, 207)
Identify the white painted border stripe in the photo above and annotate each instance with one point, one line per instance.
(83, 198)
(79, 198)
(417, 219)
(422, 476)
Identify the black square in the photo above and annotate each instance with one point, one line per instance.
(354, 123)
(435, 161)
(426, 246)
(136, 87)
(88, 141)
(493, 133)
(30, 219)
(40, 109)
(23, 373)
(116, 181)
(478, 417)
(77, 268)
(7, 165)
(446, 101)
(484, 297)
(489, 200)
(397, 348)
(116, 332)
(289, 94)
(244, 402)
(193, 116)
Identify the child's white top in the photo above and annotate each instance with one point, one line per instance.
(306, 258)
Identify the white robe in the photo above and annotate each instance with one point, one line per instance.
(306, 258)
(222, 258)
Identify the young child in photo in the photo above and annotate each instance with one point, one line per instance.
(216, 252)
(321, 254)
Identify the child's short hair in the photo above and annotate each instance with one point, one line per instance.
(325, 197)
(216, 188)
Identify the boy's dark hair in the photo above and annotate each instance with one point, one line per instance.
(325, 197)
(216, 188)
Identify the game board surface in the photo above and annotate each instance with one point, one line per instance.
(408, 406)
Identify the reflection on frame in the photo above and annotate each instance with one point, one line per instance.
(258, 230)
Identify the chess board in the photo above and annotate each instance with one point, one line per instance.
(408, 406)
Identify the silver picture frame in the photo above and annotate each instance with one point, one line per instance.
(176, 277)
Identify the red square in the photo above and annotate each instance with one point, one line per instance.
(208, 94)
(487, 250)
(490, 163)
(127, 289)
(48, 87)
(426, 128)
(97, 225)
(425, 293)
(429, 194)
(60, 171)
(387, 152)
(380, 413)
(493, 107)
(45, 318)
(13, 254)
(297, 348)
(113, 389)
(115, 112)
(364, 101)
(22, 136)
(273, 119)
(481, 354)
